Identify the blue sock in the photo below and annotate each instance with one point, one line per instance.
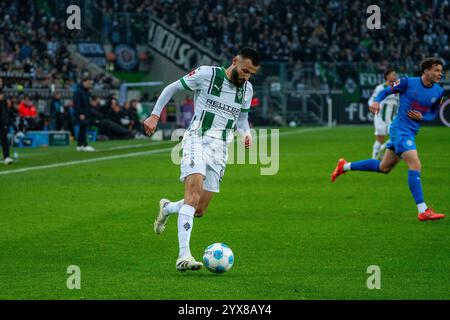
(366, 165)
(415, 185)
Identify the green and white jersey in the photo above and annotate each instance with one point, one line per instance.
(217, 101)
(389, 106)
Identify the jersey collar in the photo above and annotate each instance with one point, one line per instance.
(423, 84)
(226, 77)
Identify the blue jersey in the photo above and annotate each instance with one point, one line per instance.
(414, 95)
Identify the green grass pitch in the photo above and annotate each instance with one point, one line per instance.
(294, 235)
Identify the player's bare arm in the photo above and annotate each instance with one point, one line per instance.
(247, 140)
(374, 107)
(150, 124)
(415, 115)
(243, 128)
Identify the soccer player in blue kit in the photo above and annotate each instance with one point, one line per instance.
(420, 98)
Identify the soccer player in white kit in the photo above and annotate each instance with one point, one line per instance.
(222, 99)
(382, 120)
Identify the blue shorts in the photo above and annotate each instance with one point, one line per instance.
(400, 141)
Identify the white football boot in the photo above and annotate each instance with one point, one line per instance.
(188, 263)
(88, 149)
(8, 160)
(161, 220)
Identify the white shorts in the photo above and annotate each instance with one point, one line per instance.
(381, 127)
(204, 155)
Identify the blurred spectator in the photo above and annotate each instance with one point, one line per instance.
(132, 111)
(28, 115)
(186, 111)
(107, 124)
(4, 121)
(13, 114)
(127, 117)
(59, 115)
(114, 113)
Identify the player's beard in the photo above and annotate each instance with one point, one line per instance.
(235, 78)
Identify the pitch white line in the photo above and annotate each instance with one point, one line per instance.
(71, 163)
(128, 155)
(133, 146)
(288, 133)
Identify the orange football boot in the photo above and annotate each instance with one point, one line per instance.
(339, 169)
(429, 214)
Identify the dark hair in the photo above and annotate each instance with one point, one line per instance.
(388, 72)
(427, 63)
(252, 54)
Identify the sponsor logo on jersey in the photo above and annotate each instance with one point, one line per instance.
(216, 105)
(409, 143)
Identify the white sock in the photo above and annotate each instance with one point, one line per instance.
(347, 166)
(173, 207)
(422, 207)
(376, 149)
(383, 146)
(185, 223)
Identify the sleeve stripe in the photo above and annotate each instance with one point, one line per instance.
(245, 90)
(245, 110)
(212, 78)
(185, 86)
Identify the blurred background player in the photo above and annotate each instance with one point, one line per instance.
(222, 101)
(388, 109)
(420, 99)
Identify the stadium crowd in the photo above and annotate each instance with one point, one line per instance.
(319, 30)
(34, 48)
(34, 55)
